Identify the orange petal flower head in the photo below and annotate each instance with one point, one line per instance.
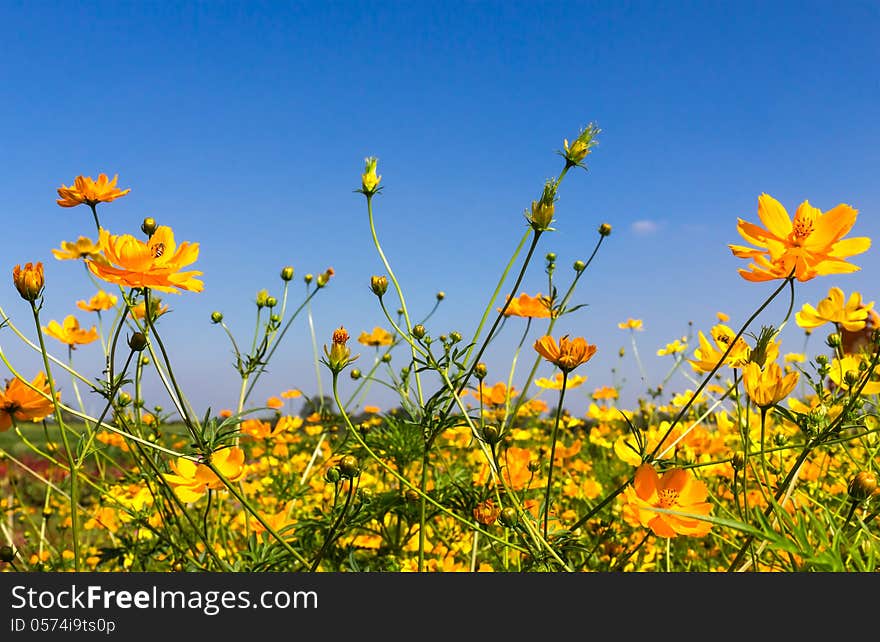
(156, 263)
(29, 280)
(83, 248)
(768, 386)
(70, 333)
(810, 245)
(101, 301)
(22, 403)
(90, 192)
(677, 490)
(568, 354)
(530, 307)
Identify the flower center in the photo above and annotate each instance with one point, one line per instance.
(802, 228)
(668, 498)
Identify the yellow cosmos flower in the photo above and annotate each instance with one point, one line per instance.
(847, 373)
(82, 248)
(529, 307)
(568, 354)
(631, 324)
(556, 382)
(378, 337)
(69, 332)
(101, 301)
(850, 315)
(369, 179)
(810, 245)
(679, 345)
(157, 263)
(22, 403)
(768, 386)
(291, 393)
(191, 480)
(89, 192)
(707, 356)
(676, 490)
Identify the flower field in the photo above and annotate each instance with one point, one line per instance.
(768, 462)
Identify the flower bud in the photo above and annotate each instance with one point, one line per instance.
(7, 554)
(29, 281)
(605, 229)
(441, 295)
(386, 358)
(411, 495)
(324, 277)
(271, 302)
(738, 461)
(822, 359)
(124, 398)
(491, 435)
(833, 340)
(454, 336)
(579, 266)
(339, 354)
(418, 331)
(137, 342)
(551, 257)
(332, 475)
(262, 298)
(379, 285)
(216, 316)
(349, 466)
(862, 486)
(275, 318)
(508, 516)
(308, 278)
(148, 227)
(369, 179)
(534, 465)
(850, 377)
(543, 209)
(287, 273)
(480, 370)
(355, 374)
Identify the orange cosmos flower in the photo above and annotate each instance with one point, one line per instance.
(157, 263)
(632, 324)
(83, 248)
(495, 395)
(291, 393)
(810, 245)
(89, 192)
(530, 307)
(21, 403)
(378, 337)
(568, 355)
(274, 403)
(101, 301)
(605, 392)
(676, 490)
(191, 480)
(70, 333)
(767, 386)
(29, 280)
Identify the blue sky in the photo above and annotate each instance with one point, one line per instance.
(244, 126)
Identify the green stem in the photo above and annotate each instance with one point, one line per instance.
(396, 287)
(71, 460)
(553, 451)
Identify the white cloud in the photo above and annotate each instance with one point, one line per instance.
(645, 226)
